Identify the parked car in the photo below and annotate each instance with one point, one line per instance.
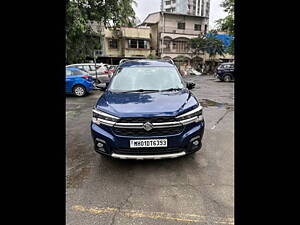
(225, 72)
(99, 72)
(192, 71)
(112, 68)
(147, 112)
(89, 67)
(78, 82)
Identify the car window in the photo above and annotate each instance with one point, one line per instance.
(78, 72)
(153, 78)
(68, 72)
(92, 68)
(86, 68)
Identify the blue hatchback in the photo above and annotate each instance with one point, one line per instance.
(147, 112)
(78, 82)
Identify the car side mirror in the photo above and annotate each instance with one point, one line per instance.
(105, 85)
(190, 85)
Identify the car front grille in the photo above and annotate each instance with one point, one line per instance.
(146, 151)
(153, 132)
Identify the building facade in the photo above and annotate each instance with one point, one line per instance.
(124, 42)
(189, 7)
(170, 33)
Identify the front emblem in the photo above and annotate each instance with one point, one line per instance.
(148, 126)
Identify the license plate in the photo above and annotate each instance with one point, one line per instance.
(149, 143)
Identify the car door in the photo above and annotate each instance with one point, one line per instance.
(69, 81)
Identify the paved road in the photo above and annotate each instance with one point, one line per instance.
(195, 189)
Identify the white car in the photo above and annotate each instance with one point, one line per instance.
(192, 71)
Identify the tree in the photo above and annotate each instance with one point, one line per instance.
(209, 44)
(81, 39)
(214, 46)
(198, 44)
(227, 24)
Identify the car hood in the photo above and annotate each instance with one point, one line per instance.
(147, 104)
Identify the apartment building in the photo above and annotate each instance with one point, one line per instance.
(125, 42)
(170, 33)
(190, 7)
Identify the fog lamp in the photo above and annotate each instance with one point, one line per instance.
(100, 145)
(196, 142)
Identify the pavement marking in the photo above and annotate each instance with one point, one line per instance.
(181, 217)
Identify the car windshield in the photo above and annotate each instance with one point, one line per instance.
(146, 78)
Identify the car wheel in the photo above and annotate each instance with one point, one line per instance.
(79, 90)
(227, 78)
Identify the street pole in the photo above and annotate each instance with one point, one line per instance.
(95, 67)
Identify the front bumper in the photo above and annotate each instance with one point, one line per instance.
(118, 146)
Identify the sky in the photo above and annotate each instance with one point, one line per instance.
(144, 7)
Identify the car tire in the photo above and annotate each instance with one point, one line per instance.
(227, 78)
(79, 91)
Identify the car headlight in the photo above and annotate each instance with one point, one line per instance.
(194, 115)
(100, 117)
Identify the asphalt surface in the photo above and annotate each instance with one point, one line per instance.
(194, 189)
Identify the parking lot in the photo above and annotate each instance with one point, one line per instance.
(194, 189)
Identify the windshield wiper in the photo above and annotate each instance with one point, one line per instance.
(138, 90)
(172, 89)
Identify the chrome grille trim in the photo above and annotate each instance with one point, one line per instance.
(157, 125)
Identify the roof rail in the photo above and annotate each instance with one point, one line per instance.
(169, 60)
(122, 61)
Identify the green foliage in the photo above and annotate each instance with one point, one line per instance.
(228, 6)
(207, 43)
(81, 40)
(198, 44)
(214, 46)
(230, 49)
(153, 57)
(227, 24)
(182, 58)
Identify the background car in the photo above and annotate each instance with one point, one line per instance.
(78, 82)
(225, 72)
(89, 67)
(192, 71)
(99, 72)
(111, 70)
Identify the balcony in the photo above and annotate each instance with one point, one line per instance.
(174, 30)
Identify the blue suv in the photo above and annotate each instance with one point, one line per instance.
(147, 112)
(78, 82)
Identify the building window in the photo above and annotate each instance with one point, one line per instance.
(205, 28)
(181, 26)
(197, 27)
(113, 43)
(167, 43)
(168, 10)
(173, 9)
(134, 43)
(142, 44)
(168, 2)
(173, 1)
(180, 46)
